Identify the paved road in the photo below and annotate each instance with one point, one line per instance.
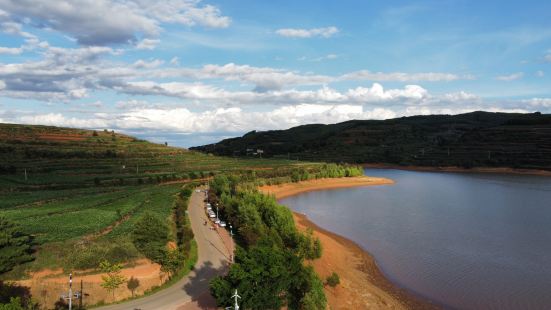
(213, 260)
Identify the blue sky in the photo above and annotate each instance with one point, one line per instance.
(192, 72)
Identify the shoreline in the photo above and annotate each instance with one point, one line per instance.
(497, 170)
(363, 284)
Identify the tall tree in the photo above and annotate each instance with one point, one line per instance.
(15, 245)
(150, 236)
(133, 284)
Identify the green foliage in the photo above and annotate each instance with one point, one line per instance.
(15, 245)
(132, 284)
(268, 270)
(333, 280)
(172, 261)
(14, 304)
(113, 279)
(150, 236)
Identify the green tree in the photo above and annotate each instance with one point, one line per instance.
(172, 261)
(150, 236)
(15, 245)
(14, 304)
(133, 284)
(113, 279)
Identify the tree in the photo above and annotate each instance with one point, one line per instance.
(15, 245)
(333, 280)
(150, 236)
(172, 261)
(113, 279)
(14, 304)
(133, 284)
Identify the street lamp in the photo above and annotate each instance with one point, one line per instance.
(231, 231)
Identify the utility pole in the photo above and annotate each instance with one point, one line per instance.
(70, 296)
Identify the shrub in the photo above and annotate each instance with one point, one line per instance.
(333, 280)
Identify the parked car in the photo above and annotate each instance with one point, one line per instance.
(212, 215)
(217, 221)
(222, 224)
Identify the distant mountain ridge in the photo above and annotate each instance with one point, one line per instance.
(477, 139)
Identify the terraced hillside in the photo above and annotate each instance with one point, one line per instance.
(78, 193)
(480, 139)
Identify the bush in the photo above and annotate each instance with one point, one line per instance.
(333, 280)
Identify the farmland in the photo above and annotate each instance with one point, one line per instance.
(78, 193)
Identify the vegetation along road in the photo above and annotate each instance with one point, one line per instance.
(212, 261)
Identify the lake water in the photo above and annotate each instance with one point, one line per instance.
(467, 241)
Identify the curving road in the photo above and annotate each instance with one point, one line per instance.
(213, 258)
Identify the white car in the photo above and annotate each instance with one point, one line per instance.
(217, 221)
(209, 208)
(197, 190)
(222, 224)
(212, 215)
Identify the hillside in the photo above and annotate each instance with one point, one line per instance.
(480, 139)
(79, 193)
(64, 158)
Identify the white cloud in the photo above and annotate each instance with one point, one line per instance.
(325, 32)
(538, 102)
(11, 50)
(510, 77)
(175, 61)
(143, 64)
(321, 58)
(404, 77)
(147, 44)
(540, 73)
(103, 22)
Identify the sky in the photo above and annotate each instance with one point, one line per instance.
(193, 72)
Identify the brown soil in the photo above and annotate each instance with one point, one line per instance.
(47, 285)
(290, 189)
(362, 286)
(459, 169)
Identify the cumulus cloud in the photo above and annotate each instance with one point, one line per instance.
(94, 22)
(325, 32)
(540, 73)
(510, 77)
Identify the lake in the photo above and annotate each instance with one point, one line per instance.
(464, 240)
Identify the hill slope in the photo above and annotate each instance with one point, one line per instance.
(474, 139)
(61, 158)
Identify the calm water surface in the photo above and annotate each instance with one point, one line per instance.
(467, 241)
